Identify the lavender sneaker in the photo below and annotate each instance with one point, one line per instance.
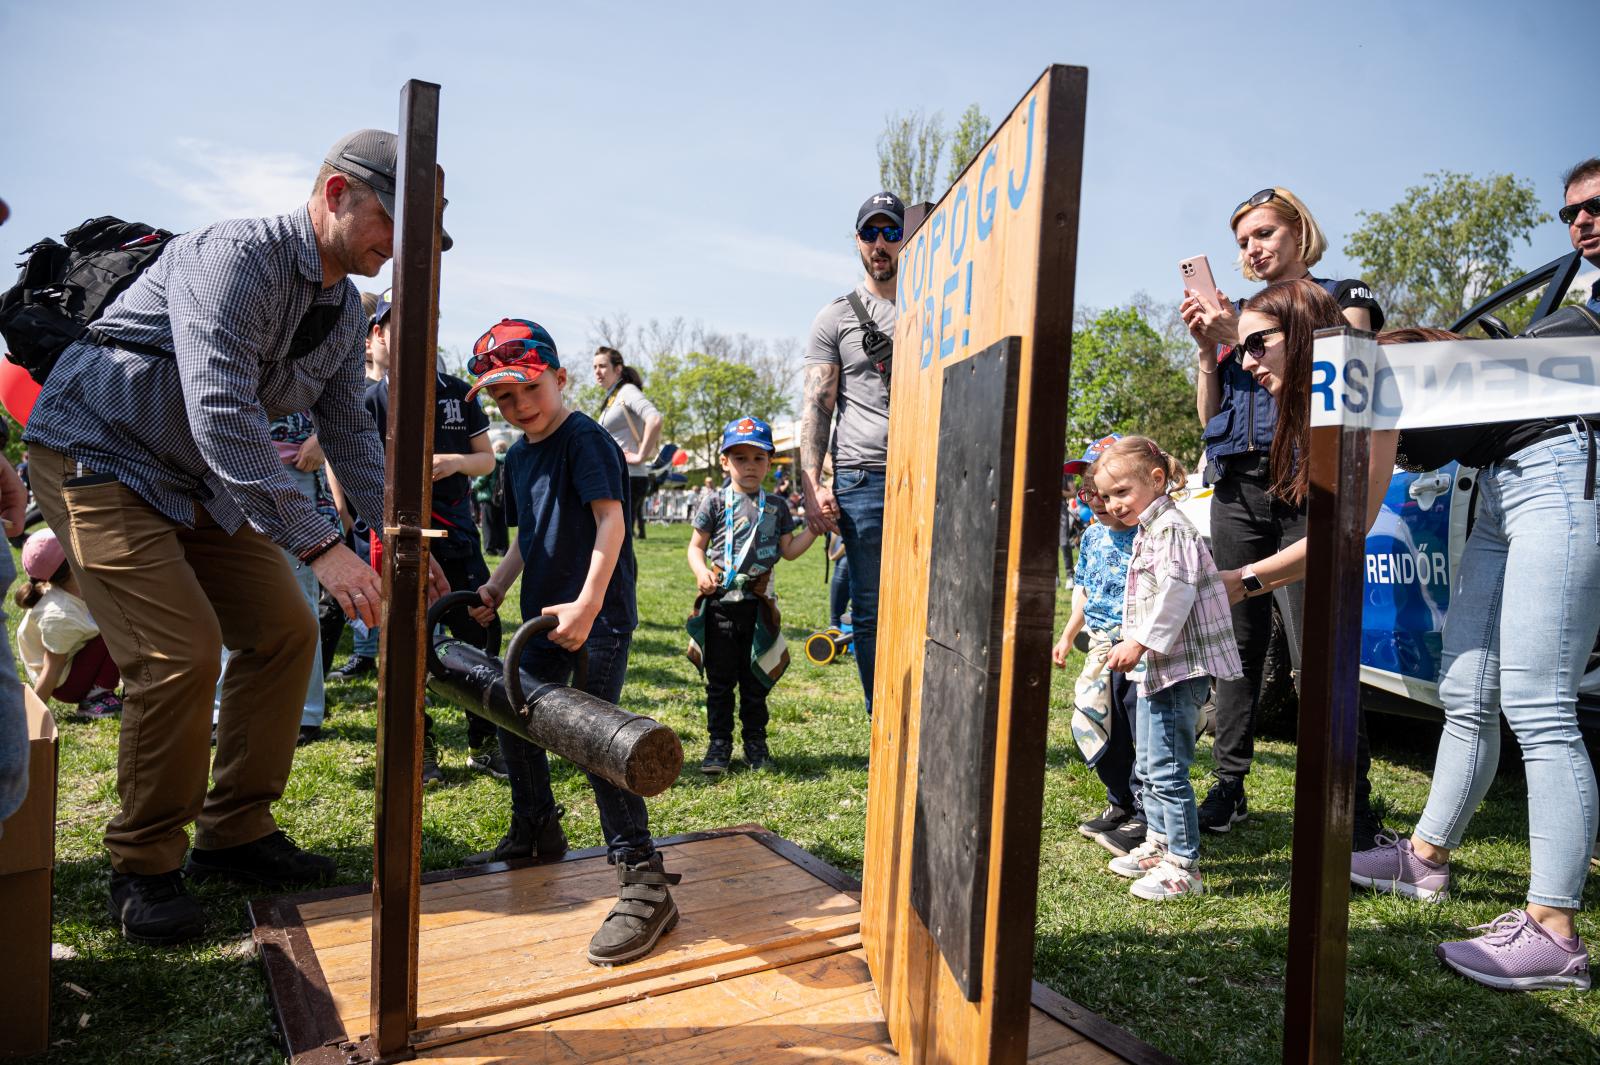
(1394, 867)
(1517, 953)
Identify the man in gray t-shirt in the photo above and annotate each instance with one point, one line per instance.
(847, 395)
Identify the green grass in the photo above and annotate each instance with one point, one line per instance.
(1202, 980)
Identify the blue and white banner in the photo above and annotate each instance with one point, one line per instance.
(1357, 382)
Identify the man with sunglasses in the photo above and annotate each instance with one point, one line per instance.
(848, 360)
(1581, 215)
(153, 462)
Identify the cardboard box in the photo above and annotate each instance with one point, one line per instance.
(27, 867)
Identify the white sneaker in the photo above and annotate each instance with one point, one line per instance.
(1167, 880)
(1140, 860)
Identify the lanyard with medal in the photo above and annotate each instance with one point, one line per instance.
(730, 501)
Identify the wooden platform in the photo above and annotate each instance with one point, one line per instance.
(764, 966)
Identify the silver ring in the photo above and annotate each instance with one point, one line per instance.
(357, 595)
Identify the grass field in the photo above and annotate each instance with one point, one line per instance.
(1201, 979)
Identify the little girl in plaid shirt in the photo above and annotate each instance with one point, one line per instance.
(1177, 620)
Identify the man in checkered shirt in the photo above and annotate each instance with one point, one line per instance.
(152, 461)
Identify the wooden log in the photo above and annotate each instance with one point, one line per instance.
(634, 752)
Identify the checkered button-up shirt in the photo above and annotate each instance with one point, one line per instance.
(193, 427)
(1176, 604)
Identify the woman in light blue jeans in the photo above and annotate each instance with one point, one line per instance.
(1517, 638)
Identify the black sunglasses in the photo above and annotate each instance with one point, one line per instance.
(892, 234)
(1569, 213)
(1256, 343)
(1264, 196)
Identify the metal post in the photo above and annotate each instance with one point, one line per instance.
(1324, 787)
(408, 498)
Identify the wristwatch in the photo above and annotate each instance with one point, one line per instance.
(1252, 583)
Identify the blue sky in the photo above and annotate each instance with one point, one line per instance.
(706, 160)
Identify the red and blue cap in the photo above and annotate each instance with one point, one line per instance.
(747, 430)
(1077, 466)
(514, 350)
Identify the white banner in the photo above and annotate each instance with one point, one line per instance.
(1357, 382)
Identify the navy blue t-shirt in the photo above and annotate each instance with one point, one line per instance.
(549, 488)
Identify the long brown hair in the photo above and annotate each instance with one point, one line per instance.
(1300, 308)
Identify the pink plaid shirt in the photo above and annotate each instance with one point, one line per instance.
(1175, 604)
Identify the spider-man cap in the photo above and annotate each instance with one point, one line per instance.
(513, 350)
(747, 430)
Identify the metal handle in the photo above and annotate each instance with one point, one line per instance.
(513, 663)
(446, 603)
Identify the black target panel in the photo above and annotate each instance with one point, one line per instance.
(961, 660)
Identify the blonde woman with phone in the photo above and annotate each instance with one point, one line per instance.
(1278, 240)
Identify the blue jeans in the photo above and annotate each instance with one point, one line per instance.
(860, 496)
(623, 818)
(1165, 750)
(839, 591)
(1535, 548)
(13, 717)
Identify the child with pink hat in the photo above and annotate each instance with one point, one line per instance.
(57, 640)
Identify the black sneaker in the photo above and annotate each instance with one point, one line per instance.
(1364, 831)
(757, 757)
(272, 861)
(1225, 806)
(155, 910)
(1111, 818)
(308, 734)
(357, 666)
(431, 773)
(488, 759)
(644, 912)
(524, 839)
(1124, 838)
(719, 754)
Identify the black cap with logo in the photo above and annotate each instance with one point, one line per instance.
(884, 203)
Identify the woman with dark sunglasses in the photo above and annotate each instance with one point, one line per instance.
(1522, 618)
(1278, 240)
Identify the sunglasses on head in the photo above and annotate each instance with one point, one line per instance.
(1569, 213)
(1262, 197)
(1256, 343)
(892, 234)
(506, 353)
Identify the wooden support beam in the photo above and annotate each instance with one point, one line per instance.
(408, 499)
(1325, 761)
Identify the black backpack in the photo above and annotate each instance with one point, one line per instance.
(67, 285)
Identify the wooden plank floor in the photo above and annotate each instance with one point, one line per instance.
(765, 966)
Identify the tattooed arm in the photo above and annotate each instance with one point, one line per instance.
(816, 422)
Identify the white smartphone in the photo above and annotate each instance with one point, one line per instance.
(1197, 278)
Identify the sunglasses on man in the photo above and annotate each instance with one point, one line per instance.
(1569, 213)
(1255, 345)
(892, 234)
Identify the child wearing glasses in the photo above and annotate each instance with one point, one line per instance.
(739, 535)
(567, 494)
(1177, 626)
(1104, 702)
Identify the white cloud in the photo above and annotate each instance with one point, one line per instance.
(218, 181)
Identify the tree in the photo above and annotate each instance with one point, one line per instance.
(710, 391)
(908, 155)
(1446, 244)
(1128, 378)
(972, 131)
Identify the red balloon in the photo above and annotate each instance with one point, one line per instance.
(681, 459)
(18, 391)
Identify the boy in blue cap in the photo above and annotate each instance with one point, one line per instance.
(735, 624)
(567, 494)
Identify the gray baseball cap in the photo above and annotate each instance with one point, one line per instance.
(370, 156)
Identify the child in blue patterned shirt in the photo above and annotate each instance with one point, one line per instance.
(1105, 701)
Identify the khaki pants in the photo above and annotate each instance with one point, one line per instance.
(167, 600)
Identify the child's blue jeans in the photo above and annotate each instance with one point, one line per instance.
(1165, 750)
(622, 816)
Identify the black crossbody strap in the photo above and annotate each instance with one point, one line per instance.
(878, 345)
